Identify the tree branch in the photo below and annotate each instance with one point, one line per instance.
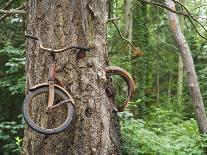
(113, 19)
(122, 37)
(162, 41)
(6, 15)
(189, 14)
(13, 11)
(186, 14)
(196, 29)
(7, 5)
(164, 6)
(189, 18)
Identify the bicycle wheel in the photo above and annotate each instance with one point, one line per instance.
(41, 93)
(114, 70)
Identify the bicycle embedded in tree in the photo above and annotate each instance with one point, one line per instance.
(56, 96)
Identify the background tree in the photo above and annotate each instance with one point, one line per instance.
(188, 63)
(153, 123)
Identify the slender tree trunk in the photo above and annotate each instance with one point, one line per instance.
(158, 81)
(189, 68)
(140, 40)
(180, 82)
(128, 19)
(169, 95)
(180, 71)
(60, 23)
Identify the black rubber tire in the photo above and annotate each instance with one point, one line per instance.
(32, 125)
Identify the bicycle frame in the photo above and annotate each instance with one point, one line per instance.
(52, 67)
(54, 87)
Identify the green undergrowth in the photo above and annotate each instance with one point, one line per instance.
(170, 136)
(11, 137)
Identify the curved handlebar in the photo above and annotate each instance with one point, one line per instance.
(57, 50)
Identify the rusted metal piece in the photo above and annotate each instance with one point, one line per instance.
(59, 104)
(51, 94)
(81, 54)
(56, 86)
(114, 70)
(52, 72)
(51, 80)
(78, 47)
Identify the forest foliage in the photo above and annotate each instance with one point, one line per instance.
(155, 122)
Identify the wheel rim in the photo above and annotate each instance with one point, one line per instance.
(42, 130)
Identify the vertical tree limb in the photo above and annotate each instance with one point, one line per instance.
(189, 67)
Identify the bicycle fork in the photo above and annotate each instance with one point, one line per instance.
(51, 81)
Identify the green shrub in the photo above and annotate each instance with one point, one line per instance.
(10, 142)
(163, 137)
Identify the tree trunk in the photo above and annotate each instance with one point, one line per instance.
(59, 24)
(140, 66)
(169, 95)
(180, 82)
(189, 68)
(128, 19)
(180, 71)
(158, 81)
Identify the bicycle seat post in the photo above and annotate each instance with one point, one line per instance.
(52, 70)
(51, 79)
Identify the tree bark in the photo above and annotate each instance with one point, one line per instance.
(95, 129)
(189, 69)
(180, 71)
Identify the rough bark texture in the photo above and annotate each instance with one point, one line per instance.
(189, 68)
(60, 23)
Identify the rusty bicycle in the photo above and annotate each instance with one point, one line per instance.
(55, 96)
(51, 90)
